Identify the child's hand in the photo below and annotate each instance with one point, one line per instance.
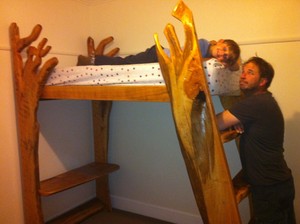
(213, 42)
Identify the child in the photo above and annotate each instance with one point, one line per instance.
(225, 51)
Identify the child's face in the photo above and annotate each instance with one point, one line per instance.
(221, 52)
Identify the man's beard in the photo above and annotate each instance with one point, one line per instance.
(250, 91)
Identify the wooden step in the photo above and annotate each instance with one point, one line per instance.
(241, 188)
(80, 213)
(229, 135)
(75, 177)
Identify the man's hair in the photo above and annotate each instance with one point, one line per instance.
(235, 51)
(266, 70)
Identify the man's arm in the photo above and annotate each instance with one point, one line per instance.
(226, 120)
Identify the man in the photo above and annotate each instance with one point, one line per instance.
(260, 121)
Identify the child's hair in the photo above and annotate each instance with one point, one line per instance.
(234, 50)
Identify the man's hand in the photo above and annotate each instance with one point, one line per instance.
(239, 128)
(229, 135)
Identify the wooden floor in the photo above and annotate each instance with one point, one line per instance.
(121, 217)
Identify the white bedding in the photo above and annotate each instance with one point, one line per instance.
(221, 81)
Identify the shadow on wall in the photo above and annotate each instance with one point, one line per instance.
(292, 153)
(65, 136)
(292, 130)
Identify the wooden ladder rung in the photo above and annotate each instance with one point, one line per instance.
(79, 213)
(241, 188)
(75, 177)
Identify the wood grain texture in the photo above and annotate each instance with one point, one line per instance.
(76, 177)
(115, 93)
(101, 115)
(195, 122)
(29, 83)
(79, 214)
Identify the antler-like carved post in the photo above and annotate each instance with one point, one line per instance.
(101, 115)
(195, 123)
(99, 50)
(29, 84)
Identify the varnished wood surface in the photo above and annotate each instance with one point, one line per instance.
(101, 115)
(115, 93)
(30, 77)
(195, 123)
(79, 214)
(75, 177)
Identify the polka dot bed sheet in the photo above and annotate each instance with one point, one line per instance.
(221, 81)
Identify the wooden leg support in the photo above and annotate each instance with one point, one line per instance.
(29, 83)
(101, 112)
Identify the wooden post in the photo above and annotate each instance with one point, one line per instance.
(29, 83)
(195, 122)
(101, 112)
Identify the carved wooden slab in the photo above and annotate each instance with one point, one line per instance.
(194, 118)
(29, 84)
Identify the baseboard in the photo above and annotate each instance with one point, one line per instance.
(154, 211)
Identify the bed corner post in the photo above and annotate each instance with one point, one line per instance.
(195, 122)
(29, 83)
(101, 114)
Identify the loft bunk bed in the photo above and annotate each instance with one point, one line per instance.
(185, 87)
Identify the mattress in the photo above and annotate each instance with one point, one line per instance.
(221, 81)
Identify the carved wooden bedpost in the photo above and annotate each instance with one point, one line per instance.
(29, 83)
(101, 114)
(195, 122)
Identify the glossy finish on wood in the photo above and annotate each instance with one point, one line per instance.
(116, 93)
(75, 177)
(80, 213)
(195, 122)
(29, 84)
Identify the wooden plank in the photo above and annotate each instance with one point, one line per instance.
(75, 177)
(115, 93)
(79, 214)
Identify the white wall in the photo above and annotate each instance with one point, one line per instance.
(152, 179)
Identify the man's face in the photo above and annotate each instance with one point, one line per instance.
(250, 79)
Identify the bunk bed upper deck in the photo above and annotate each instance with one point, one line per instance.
(134, 82)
